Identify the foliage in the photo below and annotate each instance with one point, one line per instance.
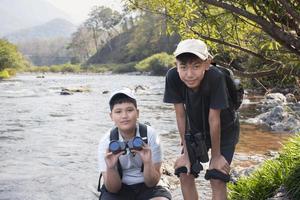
(150, 37)
(157, 64)
(10, 57)
(293, 183)
(95, 32)
(4, 74)
(82, 45)
(147, 37)
(267, 30)
(95, 68)
(65, 68)
(70, 68)
(125, 68)
(271, 175)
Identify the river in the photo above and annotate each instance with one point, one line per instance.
(48, 141)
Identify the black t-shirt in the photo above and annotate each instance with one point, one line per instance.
(212, 93)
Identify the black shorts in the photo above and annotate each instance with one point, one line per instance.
(227, 152)
(137, 191)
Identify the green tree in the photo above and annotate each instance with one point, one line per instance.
(146, 36)
(100, 22)
(82, 45)
(157, 64)
(100, 27)
(10, 57)
(263, 34)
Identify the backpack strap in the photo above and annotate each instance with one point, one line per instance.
(143, 134)
(99, 183)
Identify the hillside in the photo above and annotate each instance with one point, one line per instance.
(117, 50)
(21, 14)
(56, 28)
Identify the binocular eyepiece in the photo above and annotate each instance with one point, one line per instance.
(116, 146)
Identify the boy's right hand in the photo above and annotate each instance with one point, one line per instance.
(183, 161)
(112, 159)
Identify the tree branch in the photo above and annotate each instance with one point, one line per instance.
(290, 10)
(233, 46)
(284, 38)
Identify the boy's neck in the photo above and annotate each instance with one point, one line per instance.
(128, 134)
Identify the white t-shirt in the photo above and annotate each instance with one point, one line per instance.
(131, 165)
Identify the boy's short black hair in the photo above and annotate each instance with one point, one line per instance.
(121, 98)
(187, 57)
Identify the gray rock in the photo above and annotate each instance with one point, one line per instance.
(290, 98)
(281, 194)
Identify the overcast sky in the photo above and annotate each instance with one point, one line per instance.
(79, 9)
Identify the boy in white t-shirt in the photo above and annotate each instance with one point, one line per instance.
(129, 172)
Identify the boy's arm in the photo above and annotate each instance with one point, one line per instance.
(180, 118)
(151, 170)
(152, 173)
(112, 180)
(181, 121)
(217, 160)
(113, 184)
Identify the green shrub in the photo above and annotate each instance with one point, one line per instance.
(157, 64)
(262, 183)
(292, 183)
(70, 68)
(4, 74)
(125, 68)
(11, 71)
(55, 68)
(97, 68)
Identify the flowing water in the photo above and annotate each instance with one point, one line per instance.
(48, 141)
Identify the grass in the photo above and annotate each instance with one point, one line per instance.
(284, 170)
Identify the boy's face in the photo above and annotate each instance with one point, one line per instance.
(125, 116)
(192, 72)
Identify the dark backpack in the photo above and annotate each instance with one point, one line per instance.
(114, 135)
(235, 88)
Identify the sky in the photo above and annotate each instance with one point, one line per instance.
(79, 9)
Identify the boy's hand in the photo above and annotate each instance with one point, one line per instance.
(220, 164)
(112, 159)
(145, 153)
(183, 161)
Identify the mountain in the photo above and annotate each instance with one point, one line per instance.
(56, 28)
(21, 14)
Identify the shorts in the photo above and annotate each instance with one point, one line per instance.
(135, 192)
(227, 153)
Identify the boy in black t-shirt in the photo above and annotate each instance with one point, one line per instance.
(198, 91)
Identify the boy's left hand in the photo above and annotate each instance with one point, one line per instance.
(219, 163)
(145, 153)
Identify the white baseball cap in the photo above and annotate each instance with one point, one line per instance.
(125, 91)
(194, 46)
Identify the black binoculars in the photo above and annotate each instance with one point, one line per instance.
(196, 147)
(116, 146)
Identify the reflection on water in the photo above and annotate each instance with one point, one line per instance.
(257, 141)
(48, 142)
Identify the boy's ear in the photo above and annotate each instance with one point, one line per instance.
(207, 63)
(175, 63)
(138, 113)
(110, 116)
